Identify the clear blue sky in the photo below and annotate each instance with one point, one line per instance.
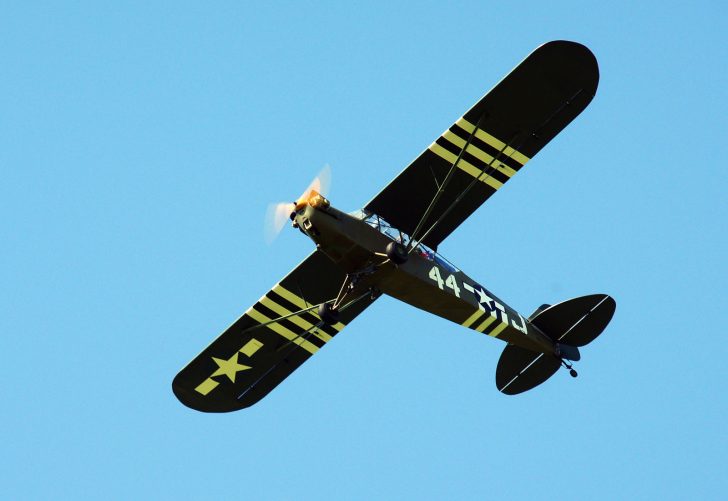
(141, 143)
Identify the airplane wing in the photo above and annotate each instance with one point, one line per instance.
(271, 340)
(491, 142)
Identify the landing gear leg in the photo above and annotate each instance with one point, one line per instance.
(572, 371)
(329, 311)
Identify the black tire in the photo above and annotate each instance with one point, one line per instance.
(573, 373)
(328, 315)
(396, 252)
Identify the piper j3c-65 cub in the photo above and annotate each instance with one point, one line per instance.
(389, 247)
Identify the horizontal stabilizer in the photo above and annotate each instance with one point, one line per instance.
(520, 369)
(578, 321)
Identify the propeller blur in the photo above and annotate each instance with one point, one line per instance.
(279, 213)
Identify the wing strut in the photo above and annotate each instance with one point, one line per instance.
(488, 169)
(441, 189)
(283, 317)
(484, 173)
(291, 349)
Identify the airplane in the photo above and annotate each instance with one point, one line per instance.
(390, 247)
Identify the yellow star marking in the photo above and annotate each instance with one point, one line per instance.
(229, 367)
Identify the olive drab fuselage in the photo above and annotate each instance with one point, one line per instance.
(424, 280)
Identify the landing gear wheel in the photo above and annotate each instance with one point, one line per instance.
(328, 315)
(396, 252)
(573, 373)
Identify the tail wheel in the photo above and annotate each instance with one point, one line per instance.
(396, 252)
(328, 314)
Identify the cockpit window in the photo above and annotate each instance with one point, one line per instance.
(384, 227)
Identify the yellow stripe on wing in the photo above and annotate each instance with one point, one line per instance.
(298, 301)
(206, 386)
(493, 141)
(479, 154)
(278, 328)
(272, 305)
(465, 165)
(251, 347)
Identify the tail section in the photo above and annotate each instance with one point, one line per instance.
(575, 322)
(572, 323)
(520, 369)
(538, 310)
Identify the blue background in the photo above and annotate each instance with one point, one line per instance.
(140, 145)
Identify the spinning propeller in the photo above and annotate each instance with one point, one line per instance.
(277, 214)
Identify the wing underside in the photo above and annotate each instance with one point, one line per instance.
(491, 142)
(271, 340)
